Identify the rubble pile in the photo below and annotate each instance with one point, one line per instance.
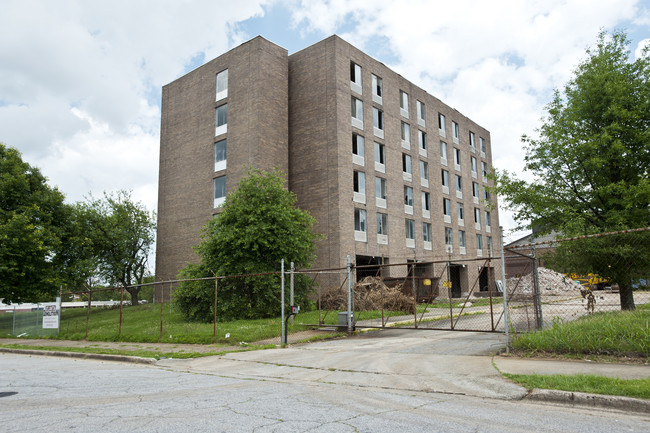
(550, 283)
(369, 294)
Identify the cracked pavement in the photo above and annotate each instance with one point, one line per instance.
(408, 382)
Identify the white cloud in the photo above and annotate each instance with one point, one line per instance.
(642, 46)
(80, 83)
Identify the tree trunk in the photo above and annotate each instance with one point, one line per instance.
(134, 295)
(627, 296)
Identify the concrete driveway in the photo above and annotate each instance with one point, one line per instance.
(417, 360)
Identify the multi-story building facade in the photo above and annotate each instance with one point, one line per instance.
(389, 171)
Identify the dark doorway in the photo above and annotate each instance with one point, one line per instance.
(368, 266)
(454, 277)
(483, 279)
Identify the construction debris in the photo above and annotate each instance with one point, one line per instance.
(369, 294)
(550, 283)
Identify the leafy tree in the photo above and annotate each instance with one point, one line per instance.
(120, 236)
(259, 226)
(79, 254)
(590, 165)
(32, 220)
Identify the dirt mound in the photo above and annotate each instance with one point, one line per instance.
(369, 294)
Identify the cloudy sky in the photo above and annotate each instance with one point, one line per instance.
(80, 80)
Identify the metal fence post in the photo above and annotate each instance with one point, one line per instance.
(291, 300)
(283, 339)
(415, 296)
(349, 297)
(505, 292)
(537, 296)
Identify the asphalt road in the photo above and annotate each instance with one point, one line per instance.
(260, 392)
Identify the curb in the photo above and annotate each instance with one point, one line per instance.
(626, 404)
(81, 355)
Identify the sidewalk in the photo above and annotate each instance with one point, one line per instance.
(514, 365)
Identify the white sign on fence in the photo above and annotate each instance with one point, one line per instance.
(51, 315)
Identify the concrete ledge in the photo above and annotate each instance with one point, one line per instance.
(590, 400)
(98, 356)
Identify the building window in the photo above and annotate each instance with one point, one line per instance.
(443, 153)
(426, 201)
(380, 191)
(359, 186)
(488, 219)
(461, 239)
(489, 244)
(422, 142)
(441, 125)
(222, 85)
(424, 171)
(219, 191)
(483, 146)
(382, 224)
(484, 169)
(377, 90)
(358, 149)
(473, 163)
(479, 242)
(455, 129)
(408, 196)
(359, 220)
(426, 232)
(404, 103)
(472, 141)
(221, 123)
(449, 237)
(380, 157)
(446, 208)
(410, 232)
(426, 236)
(461, 211)
(456, 159)
(422, 113)
(378, 122)
(406, 134)
(357, 113)
(486, 195)
(475, 191)
(407, 168)
(355, 77)
(477, 217)
(220, 155)
(360, 225)
(459, 184)
(445, 181)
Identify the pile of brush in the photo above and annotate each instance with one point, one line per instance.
(369, 294)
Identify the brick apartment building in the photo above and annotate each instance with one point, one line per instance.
(389, 171)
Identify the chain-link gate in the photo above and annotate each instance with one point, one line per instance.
(448, 295)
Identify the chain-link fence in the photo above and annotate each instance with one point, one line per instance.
(564, 279)
(452, 295)
(547, 280)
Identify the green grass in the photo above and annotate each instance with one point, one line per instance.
(142, 324)
(618, 334)
(636, 388)
(611, 335)
(135, 352)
